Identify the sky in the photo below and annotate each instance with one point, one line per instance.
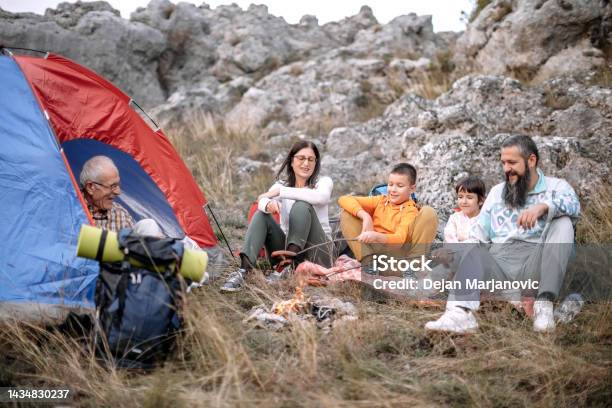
(446, 13)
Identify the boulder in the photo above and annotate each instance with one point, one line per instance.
(93, 34)
(532, 39)
(460, 133)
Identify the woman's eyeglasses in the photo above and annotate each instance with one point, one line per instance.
(302, 159)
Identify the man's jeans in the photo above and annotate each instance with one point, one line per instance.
(544, 262)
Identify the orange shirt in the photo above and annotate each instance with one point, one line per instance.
(393, 220)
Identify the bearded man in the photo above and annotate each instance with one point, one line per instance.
(529, 222)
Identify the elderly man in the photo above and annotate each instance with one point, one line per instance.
(100, 184)
(529, 221)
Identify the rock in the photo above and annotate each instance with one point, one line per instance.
(461, 132)
(346, 29)
(329, 91)
(167, 53)
(246, 167)
(350, 84)
(338, 306)
(93, 34)
(186, 104)
(256, 110)
(408, 66)
(344, 142)
(326, 312)
(519, 38)
(266, 320)
(67, 15)
(579, 60)
(309, 21)
(226, 42)
(404, 36)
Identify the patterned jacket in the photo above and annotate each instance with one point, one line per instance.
(114, 219)
(497, 223)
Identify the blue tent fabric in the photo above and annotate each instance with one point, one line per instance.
(40, 213)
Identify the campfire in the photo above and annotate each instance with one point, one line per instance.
(324, 312)
(296, 305)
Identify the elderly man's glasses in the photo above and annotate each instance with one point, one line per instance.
(302, 159)
(112, 187)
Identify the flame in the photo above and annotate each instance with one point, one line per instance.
(291, 306)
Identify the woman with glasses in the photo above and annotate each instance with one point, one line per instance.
(301, 199)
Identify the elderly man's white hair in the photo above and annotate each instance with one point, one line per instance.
(94, 167)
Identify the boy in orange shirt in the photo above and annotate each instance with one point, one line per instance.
(390, 224)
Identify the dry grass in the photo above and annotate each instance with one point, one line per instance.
(595, 225)
(478, 7)
(433, 82)
(210, 149)
(603, 77)
(386, 358)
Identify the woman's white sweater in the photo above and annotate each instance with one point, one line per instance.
(319, 197)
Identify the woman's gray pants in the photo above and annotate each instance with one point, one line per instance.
(305, 231)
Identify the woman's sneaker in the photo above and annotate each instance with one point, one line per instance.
(235, 281)
(454, 320)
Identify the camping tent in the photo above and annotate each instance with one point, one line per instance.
(54, 115)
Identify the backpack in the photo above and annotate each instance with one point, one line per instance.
(381, 189)
(138, 309)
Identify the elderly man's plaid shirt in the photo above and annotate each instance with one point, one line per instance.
(114, 219)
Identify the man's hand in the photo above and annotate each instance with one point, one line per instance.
(529, 217)
(273, 207)
(366, 221)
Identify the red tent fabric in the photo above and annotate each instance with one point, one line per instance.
(82, 105)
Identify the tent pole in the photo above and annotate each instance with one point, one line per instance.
(219, 226)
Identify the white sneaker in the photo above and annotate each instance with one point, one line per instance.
(194, 285)
(543, 318)
(455, 320)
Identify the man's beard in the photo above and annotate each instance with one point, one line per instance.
(515, 195)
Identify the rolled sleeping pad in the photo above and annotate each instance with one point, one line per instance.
(193, 265)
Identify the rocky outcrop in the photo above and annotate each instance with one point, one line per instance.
(460, 133)
(342, 86)
(93, 34)
(184, 59)
(312, 77)
(537, 39)
(227, 42)
(349, 85)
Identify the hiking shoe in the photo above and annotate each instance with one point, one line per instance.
(235, 281)
(454, 320)
(569, 308)
(276, 276)
(543, 318)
